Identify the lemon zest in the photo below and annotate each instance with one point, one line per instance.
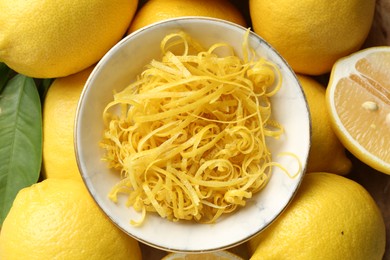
(189, 135)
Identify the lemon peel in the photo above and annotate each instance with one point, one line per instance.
(189, 138)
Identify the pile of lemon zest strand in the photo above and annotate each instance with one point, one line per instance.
(215, 158)
(177, 181)
(160, 210)
(182, 69)
(183, 109)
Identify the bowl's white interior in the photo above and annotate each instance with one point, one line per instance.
(118, 68)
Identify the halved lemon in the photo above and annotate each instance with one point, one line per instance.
(358, 100)
(218, 255)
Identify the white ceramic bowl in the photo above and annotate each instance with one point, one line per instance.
(118, 68)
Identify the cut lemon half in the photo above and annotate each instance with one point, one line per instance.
(218, 255)
(358, 100)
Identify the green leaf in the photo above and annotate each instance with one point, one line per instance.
(20, 139)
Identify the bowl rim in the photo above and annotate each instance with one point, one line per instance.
(106, 57)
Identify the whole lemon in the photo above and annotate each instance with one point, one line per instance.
(49, 39)
(326, 151)
(59, 110)
(312, 35)
(158, 10)
(331, 217)
(58, 219)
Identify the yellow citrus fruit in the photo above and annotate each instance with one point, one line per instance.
(157, 10)
(326, 151)
(312, 35)
(49, 39)
(331, 217)
(358, 100)
(58, 219)
(218, 255)
(59, 110)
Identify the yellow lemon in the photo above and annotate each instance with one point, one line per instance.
(157, 10)
(49, 39)
(218, 255)
(58, 219)
(331, 217)
(358, 102)
(312, 35)
(326, 151)
(59, 110)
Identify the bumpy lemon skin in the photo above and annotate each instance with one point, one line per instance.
(326, 151)
(58, 219)
(331, 217)
(50, 39)
(157, 10)
(313, 35)
(59, 111)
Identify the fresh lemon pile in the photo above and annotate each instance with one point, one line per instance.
(347, 91)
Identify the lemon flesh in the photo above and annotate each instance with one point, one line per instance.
(358, 99)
